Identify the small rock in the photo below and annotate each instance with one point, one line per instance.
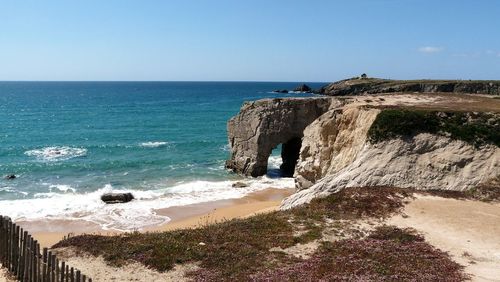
(280, 91)
(201, 244)
(239, 184)
(10, 176)
(115, 198)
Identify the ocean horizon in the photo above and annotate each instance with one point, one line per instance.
(70, 142)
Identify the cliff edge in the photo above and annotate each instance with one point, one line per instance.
(417, 141)
(364, 85)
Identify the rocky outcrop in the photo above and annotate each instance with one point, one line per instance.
(419, 141)
(262, 125)
(362, 146)
(331, 143)
(280, 91)
(10, 177)
(357, 86)
(303, 88)
(425, 161)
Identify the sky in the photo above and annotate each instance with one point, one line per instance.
(252, 40)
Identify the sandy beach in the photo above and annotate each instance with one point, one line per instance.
(50, 232)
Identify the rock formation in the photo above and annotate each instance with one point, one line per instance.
(303, 88)
(10, 176)
(403, 140)
(331, 142)
(459, 152)
(375, 85)
(262, 125)
(280, 91)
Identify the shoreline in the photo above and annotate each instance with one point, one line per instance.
(189, 216)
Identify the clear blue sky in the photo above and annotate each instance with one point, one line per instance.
(256, 40)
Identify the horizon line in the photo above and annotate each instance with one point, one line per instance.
(257, 81)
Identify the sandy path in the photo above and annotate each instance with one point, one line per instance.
(468, 230)
(99, 270)
(4, 275)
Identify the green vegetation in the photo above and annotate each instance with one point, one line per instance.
(240, 249)
(474, 128)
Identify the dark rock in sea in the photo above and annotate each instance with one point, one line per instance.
(303, 88)
(116, 198)
(10, 176)
(280, 91)
(239, 185)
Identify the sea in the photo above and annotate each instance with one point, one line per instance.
(165, 142)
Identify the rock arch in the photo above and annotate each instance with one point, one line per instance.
(262, 125)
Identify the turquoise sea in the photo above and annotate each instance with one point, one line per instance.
(69, 142)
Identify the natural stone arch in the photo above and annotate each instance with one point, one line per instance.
(290, 152)
(262, 125)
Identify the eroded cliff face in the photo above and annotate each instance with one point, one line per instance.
(332, 142)
(262, 125)
(338, 148)
(425, 161)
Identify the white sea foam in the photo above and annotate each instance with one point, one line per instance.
(153, 144)
(62, 188)
(274, 162)
(56, 153)
(135, 215)
(9, 189)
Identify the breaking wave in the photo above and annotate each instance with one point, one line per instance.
(56, 153)
(154, 144)
(63, 203)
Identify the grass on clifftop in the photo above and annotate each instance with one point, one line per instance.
(240, 249)
(474, 128)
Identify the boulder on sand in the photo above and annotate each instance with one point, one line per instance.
(116, 198)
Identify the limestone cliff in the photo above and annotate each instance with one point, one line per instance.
(332, 142)
(425, 161)
(262, 125)
(338, 152)
(406, 140)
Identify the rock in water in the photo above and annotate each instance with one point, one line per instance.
(280, 91)
(10, 176)
(303, 88)
(116, 198)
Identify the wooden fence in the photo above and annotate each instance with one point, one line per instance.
(20, 255)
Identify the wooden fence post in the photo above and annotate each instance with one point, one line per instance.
(20, 255)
